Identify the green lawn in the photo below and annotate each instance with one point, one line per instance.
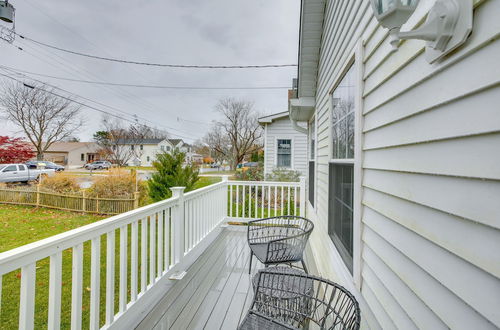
(206, 181)
(20, 225)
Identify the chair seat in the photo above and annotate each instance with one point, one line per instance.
(254, 321)
(282, 252)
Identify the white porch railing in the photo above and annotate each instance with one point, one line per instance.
(150, 244)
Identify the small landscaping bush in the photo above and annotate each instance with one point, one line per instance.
(252, 174)
(283, 175)
(171, 172)
(118, 184)
(60, 183)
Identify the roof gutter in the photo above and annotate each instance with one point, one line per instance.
(296, 127)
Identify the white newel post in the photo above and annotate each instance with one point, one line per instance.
(179, 224)
(302, 196)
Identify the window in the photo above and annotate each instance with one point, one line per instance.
(284, 157)
(82, 157)
(147, 158)
(11, 168)
(162, 148)
(168, 148)
(341, 168)
(132, 147)
(312, 163)
(141, 147)
(22, 167)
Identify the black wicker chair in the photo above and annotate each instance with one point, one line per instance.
(293, 301)
(278, 240)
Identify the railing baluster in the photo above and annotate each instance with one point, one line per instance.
(95, 282)
(275, 200)
(295, 201)
(237, 201)
(159, 267)
(288, 200)
(152, 251)
(262, 205)
(27, 305)
(282, 200)
(256, 215)
(134, 261)
(269, 203)
(230, 200)
(55, 279)
(122, 304)
(77, 287)
(167, 238)
(110, 277)
(144, 254)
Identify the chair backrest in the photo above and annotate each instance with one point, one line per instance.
(297, 299)
(268, 229)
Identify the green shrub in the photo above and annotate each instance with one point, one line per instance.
(283, 175)
(171, 172)
(252, 174)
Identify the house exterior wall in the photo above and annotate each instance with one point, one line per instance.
(282, 129)
(74, 156)
(426, 187)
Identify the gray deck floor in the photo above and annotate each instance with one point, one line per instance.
(216, 291)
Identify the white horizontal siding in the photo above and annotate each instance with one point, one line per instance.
(431, 210)
(282, 129)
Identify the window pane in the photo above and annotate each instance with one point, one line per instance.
(343, 117)
(284, 153)
(340, 227)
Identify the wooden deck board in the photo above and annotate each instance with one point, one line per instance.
(214, 294)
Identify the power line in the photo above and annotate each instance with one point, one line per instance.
(146, 86)
(183, 66)
(85, 104)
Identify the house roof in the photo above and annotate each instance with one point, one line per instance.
(70, 146)
(311, 29)
(270, 118)
(139, 141)
(175, 141)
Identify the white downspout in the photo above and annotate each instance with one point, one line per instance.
(296, 127)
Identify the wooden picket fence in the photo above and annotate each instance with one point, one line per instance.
(77, 203)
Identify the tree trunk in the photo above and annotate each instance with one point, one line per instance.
(39, 156)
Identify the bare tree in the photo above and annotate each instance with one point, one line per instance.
(44, 117)
(238, 134)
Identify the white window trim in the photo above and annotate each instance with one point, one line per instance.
(292, 160)
(356, 60)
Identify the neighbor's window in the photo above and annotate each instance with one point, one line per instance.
(142, 147)
(147, 158)
(168, 148)
(284, 153)
(162, 148)
(341, 168)
(132, 147)
(82, 157)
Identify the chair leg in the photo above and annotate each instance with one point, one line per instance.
(250, 266)
(304, 266)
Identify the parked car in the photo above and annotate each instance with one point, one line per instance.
(46, 164)
(98, 165)
(22, 173)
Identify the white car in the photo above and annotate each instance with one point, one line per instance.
(21, 173)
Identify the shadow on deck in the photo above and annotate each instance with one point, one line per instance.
(216, 291)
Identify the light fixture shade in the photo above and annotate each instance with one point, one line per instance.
(6, 12)
(393, 13)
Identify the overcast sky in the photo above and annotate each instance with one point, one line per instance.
(215, 32)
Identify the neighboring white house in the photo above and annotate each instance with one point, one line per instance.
(284, 147)
(145, 150)
(72, 154)
(404, 183)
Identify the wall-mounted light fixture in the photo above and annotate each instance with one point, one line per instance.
(448, 24)
(6, 12)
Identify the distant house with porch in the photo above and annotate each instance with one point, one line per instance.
(284, 147)
(72, 154)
